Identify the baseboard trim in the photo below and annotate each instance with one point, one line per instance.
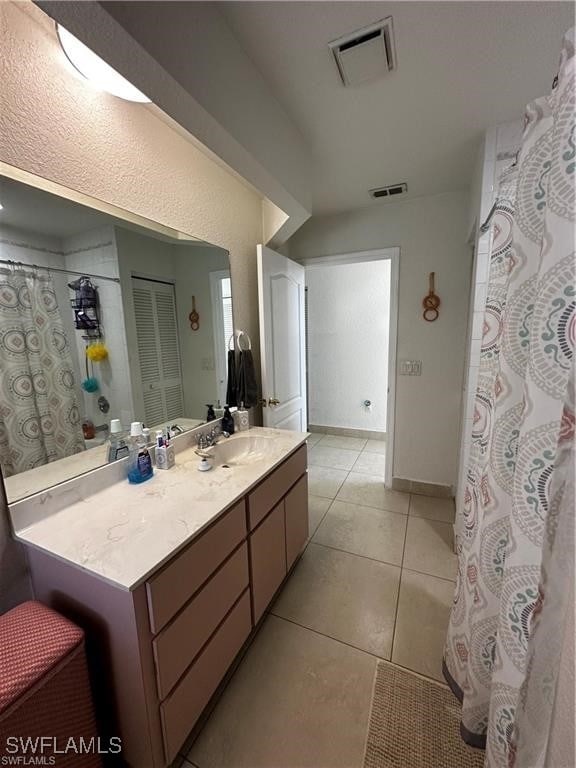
(366, 434)
(423, 489)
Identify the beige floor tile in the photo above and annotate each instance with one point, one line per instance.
(422, 623)
(349, 598)
(369, 491)
(339, 441)
(432, 508)
(371, 464)
(314, 438)
(375, 446)
(323, 481)
(364, 531)
(317, 508)
(298, 700)
(428, 548)
(326, 456)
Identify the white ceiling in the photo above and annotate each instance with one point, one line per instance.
(462, 66)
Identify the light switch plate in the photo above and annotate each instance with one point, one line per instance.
(410, 367)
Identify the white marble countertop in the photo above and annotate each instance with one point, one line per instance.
(123, 532)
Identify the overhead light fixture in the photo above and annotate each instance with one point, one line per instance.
(1, 207)
(95, 69)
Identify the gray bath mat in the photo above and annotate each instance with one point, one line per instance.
(415, 723)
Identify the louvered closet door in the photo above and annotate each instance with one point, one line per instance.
(158, 350)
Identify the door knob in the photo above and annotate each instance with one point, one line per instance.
(273, 401)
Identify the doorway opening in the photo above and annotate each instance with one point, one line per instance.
(351, 320)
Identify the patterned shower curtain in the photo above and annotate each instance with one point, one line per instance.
(513, 564)
(39, 415)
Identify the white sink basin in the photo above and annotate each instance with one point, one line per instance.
(238, 451)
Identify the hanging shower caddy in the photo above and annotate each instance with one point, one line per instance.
(86, 308)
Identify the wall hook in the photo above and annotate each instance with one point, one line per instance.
(194, 317)
(431, 302)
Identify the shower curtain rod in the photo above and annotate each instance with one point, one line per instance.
(56, 269)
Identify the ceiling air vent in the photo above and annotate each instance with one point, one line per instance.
(365, 54)
(392, 191)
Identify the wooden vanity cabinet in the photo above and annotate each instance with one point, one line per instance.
(167, 645)
(278, 524)
(296, 520)
(267, 560)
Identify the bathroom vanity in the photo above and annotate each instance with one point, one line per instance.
(170, 578)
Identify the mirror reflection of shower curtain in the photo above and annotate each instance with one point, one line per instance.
(39, 414)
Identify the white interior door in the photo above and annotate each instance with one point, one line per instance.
(281, 287)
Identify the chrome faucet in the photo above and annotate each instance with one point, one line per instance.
(208, 439)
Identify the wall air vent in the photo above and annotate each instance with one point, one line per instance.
(392, 191)
(365, 54)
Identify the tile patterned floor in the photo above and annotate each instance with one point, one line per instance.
(376, 581)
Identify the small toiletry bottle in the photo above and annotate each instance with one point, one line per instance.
(241, 419)
(210, 416)
(139, 461)
(118, 447)
(88, 429)
(146, 434)
(227, 421)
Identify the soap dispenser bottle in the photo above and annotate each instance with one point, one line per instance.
(210, 416)
(227, 421)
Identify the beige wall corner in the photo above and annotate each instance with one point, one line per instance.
(432, 235)
(273, 219)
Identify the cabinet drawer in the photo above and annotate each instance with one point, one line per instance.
(175, 585)
(184, 706)
(267, 559)
(177, 645)
(276, 486)
(296, 515)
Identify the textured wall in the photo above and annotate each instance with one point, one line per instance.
(348, 325)
(56, 125)
(431, 234)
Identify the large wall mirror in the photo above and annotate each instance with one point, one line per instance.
(100, 319)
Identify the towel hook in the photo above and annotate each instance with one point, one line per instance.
(240, 334)
(235, 337)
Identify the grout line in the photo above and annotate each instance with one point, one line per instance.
(330, 637)
(346, 501)
(361, 650)
(328, 466)
(432, 575)
(311, 535)
(356, 554)
(430, 519)
(399, 587)
(441, 682)
(375, 509)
